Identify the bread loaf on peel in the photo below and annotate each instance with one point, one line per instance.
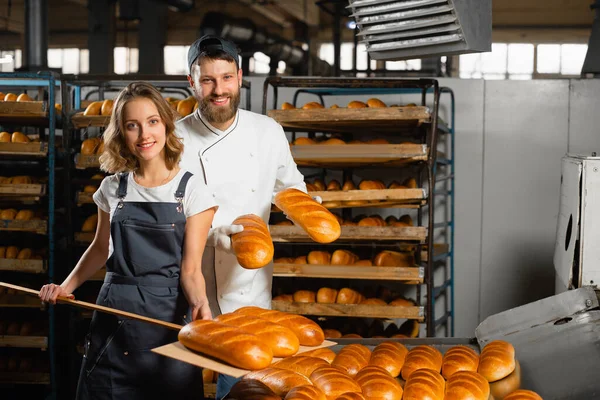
(352, 358)
(333, 382)
(322, 353)
(320, 224)
(497, 360)
(307, 331)
(301, 364)
(280, 381)
(424, 384)
(251, 389)
(282, 341)
(253, 247)
(421, 357)
(467, 385)
(459, 358)
(351, 396)
(306, 392)
(227, 343)
(390, 356)
(376, 383)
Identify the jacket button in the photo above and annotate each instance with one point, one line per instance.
(126, 353)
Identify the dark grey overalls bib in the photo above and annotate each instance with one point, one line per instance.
(142, 277)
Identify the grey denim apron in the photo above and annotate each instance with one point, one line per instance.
(143, 278)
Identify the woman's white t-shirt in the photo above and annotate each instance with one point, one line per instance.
(197, 197)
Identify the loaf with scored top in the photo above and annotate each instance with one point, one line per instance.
(390, 356)
(333, 382)
(376, 383)
(323, 353)
(319, 223)
(306, 392)
(343, 257)
(326, 295)
(282, 341)
(424, 384)
(227, 343)
(352, 358)
(522, 394)
(459, 358)
(253, 247)
(467, 385)
(304, 365)
(351, 396)
(318, 257)
(497, 360)
(421, 357)
(307, 331)
(280, 381)
(251, 389)
(349, 296)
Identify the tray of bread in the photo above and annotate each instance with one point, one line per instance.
(357, 116)
(385, 265)
(22, 221)
(436, 369)
(21, 186)
(19, 144)
(13, 258)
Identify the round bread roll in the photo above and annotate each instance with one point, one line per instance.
(185, 107)
(422, 357)
(363, 263)
(459, 358)
(305, 296)
(349, 296)
(284, 297)
(316, 257)
(467, 385)
(24, 254)
(5, 137)
(334, 106)
(24, 97)
(332, 333)
(312, 105)
(523, 394)
(396, 185)
(287, 106)
(410, 183)
(12, 252)
(378, 141)
(371, 185)
(89, 146)
(93, 108)
(357, 104)
(343, 257)
(100, 148)
(333, 141)
(19, 137)
(9, 213)
(24, 215)
(10, 97)
(401, 302)
(253, 247)
(311, 187)
(300, 260)
(302, 141)
(334, 185)
(348, 185)
(326, 295)
(497, 360)
(107, 106)
(424, 384)
(320, 184)
(376, 103)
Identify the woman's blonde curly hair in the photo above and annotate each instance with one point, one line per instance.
(116, 156)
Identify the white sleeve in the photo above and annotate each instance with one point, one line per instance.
(288, 175)
(197, 197)
(102, 195)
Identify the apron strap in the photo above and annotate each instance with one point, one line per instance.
(153, 280)
(182, 184)
(122, 190)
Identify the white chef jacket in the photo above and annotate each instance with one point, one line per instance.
(244, 166)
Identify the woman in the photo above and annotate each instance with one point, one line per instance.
(145, 211)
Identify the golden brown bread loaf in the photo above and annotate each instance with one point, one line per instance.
(316, 257)
(311, 105)
(357, 104)
(306, 392)
(523, 394)
(332, 333)
(253, 247)
(410, 183)
(389, 258)
(322, 353)
(300, 260)
(307, 331)
(343, 257)
(374, 301)
(284, 297)
(284, 260)
(379, 141)
(311, 187)
(305, 296)
(320, 224)
(348, 185)
(327, 295)
(107, 106)
(303, 141)
(251, 389)
(5, 137)
(351, 336)
(331, 141)
(421, 357)
(280, 381)
(424, 384)
(502, 388)
(406, 219)
(390, 356)
(93, 108)
(497, 360)
(351, 396)
(301, 364)
(333, 382)
(400, 302)
(352, 358)
(320, 184)
(24, 97)
(467, 385)
(371, 185)
(287, 106)
(376, 103)
(376, 383)
(227, 343)
(349, 296)
(373, 220)
(334, 185)
(459, 358)
(363, 263)
(396, 185)
(282, 341)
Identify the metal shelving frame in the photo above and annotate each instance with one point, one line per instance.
(322, 87)
(47, 82)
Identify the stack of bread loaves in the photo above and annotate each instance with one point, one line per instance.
(356, 372)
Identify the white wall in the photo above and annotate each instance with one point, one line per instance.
(510, 138)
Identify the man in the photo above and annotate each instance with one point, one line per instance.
(245, 159)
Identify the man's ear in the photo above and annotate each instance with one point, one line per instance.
(240, 74)
(190, 80)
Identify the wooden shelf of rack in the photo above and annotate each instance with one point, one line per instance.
(33, 225)
(283, 233)
(358, 155)
(28, 266)
(32, 342)
(82, 121)
(84, 161)
(349, 310)
(412, 275)
(20, 190)
(34, 149)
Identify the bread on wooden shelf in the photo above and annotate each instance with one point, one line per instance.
(317, 257)
(357, 104)
(497, 360)
(389, 258)
(287, 106)
(374, 301)
(421, 357)
(371, 185)
(305, 296)
(326, 295)
(332, 333)
(303, 141)
(284, 297)
(349, 296)
(401, 302)
(376, 103)
(312, 105)
(343, 257)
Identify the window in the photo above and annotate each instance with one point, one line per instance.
(126, 60)
(70, 61)
(10, 60)
(175, 60)
(326, 53)
(518, 61)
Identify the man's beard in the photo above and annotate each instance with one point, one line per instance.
(219, 114)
